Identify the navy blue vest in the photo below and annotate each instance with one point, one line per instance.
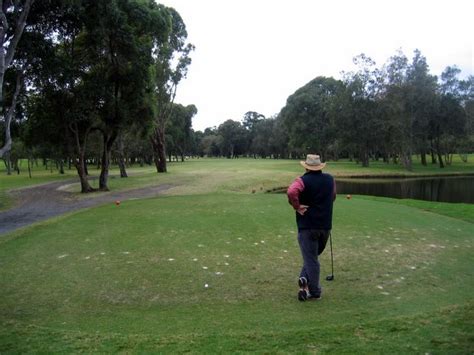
(318, 195)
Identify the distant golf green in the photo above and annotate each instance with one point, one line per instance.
(212, 267)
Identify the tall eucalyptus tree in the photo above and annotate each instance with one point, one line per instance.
(171, 61)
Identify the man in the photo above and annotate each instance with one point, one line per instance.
(312, 196)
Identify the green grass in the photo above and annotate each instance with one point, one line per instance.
(124, 279)
(463, 211)
(131, 278)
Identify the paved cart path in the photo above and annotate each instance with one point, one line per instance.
(42, 202)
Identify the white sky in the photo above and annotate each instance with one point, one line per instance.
(252, 54)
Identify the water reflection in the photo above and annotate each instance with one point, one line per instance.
(447, 189)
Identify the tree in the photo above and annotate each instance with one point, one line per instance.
(10, 112)
(262, 134)
(362, 117)
(251, 119)
(398, 120)
(179, 128)
(119, 38)
(233, 138)
(279, 139)
(171, 61)
(13, 16)
(211, 143)
(195, 143)
(309, 115)
(450, 83)
(466, 145)
(421, 102)
(449, 125)
(64, 103)
(450, 119)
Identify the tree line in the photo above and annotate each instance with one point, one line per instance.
(94, 81)
(392, 113)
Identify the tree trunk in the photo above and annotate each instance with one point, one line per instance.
(158, 143)
(29, 167)
(440, 159)
(123, 171)
(109, 138)
(8, 118)
(438, 152)
(364, 157)
(104, 171)
(449, 159)
(61, 166)
(121, 158)
(406, 161)
(80, 162)
(81, 171)
(423, 158)
(406, 153)
(16, 167)
(8, 44)
(8, 163)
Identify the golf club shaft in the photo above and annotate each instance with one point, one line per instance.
(332, 257)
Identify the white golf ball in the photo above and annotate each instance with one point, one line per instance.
(206, 285)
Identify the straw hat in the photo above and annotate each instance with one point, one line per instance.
(313, 162)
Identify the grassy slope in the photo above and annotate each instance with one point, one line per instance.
(403, 279)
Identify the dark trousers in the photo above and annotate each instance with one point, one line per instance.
(312, 243)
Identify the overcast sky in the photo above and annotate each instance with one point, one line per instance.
(252, 54)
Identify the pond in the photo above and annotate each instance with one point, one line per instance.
(442, 189)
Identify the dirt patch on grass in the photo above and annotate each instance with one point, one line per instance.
(42, 202)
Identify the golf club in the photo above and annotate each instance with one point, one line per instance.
(331, 277)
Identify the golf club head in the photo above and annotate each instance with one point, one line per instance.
(330, 278)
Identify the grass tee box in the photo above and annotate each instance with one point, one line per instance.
(132, 278)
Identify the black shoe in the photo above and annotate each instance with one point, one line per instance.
(303, 293)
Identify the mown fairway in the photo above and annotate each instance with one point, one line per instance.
(132, 277)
